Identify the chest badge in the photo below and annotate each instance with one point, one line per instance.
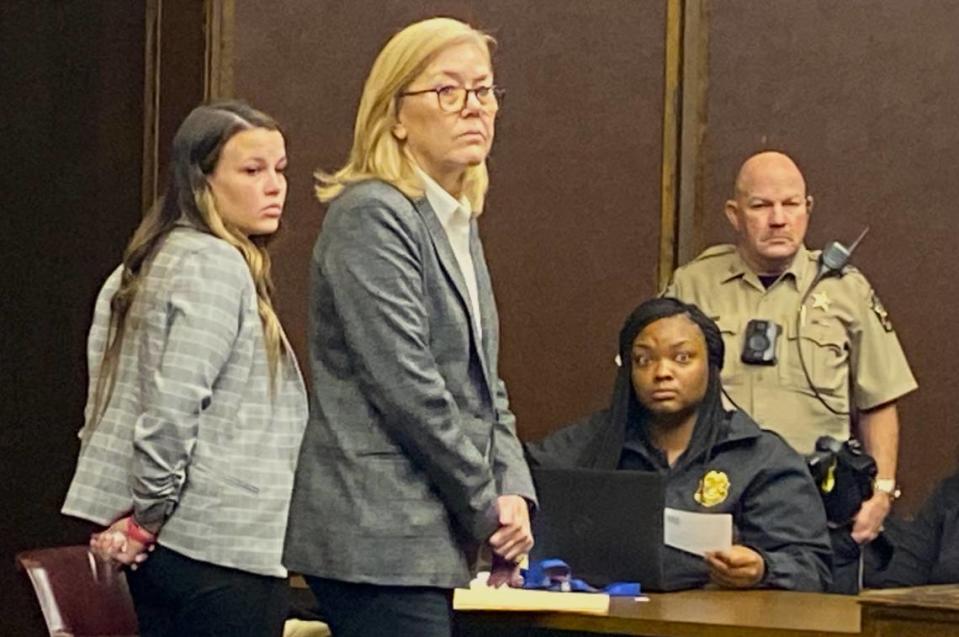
(713, 488)
(820, 301)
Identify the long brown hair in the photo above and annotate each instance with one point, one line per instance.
(197, 146)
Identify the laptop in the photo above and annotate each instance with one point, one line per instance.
(607, 525)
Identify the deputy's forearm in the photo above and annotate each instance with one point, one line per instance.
(879, 430)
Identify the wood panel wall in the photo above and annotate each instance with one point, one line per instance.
(861, 92)
(72, 120)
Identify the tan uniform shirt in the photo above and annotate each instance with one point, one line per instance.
(847, 341)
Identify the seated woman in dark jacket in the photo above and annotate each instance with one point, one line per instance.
(667, 416)
(927, 549)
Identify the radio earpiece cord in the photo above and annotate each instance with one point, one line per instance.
(833, 259)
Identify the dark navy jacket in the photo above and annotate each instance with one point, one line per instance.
(927, 550)
(776, 508)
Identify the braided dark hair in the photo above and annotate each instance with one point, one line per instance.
(712, 414)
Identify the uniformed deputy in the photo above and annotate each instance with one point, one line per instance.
(855, 365)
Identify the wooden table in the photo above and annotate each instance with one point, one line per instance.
(691, 614)
(924, 611)
(927, 611)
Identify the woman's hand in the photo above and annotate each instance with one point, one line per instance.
(503, 572)
(514, 538)
(114, 545)
(739, 567)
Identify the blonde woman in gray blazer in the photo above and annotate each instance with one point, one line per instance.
(410, 463)
(196, 407)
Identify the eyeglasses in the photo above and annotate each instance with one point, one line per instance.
(452, 99)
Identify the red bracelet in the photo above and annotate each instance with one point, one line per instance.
(136, 532)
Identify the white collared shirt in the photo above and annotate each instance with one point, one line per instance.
(455, 217)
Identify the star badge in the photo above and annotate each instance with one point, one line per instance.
(820, 301)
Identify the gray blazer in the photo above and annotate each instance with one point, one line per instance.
(410, 438)
(192, 441)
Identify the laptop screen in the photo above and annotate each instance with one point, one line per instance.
(607, 525)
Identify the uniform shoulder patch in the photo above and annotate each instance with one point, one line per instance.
(880, 312)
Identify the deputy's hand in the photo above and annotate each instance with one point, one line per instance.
(514, 538)
(870, 517)
(738, 567)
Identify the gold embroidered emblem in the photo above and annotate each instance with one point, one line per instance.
(713, 489)
(821, 301)
(881, 313)
(829, 480)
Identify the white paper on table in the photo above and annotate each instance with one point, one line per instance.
(697, 532)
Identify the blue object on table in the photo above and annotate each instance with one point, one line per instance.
(556, 575)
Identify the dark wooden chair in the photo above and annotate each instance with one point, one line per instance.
(79, 595)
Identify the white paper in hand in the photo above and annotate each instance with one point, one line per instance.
(697, 533)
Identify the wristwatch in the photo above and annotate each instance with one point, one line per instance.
(889, 487)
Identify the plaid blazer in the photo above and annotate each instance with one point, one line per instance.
(410, 438)
(192, 440)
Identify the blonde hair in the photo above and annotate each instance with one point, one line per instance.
(376, 153)
(258, 261)
(197, 146)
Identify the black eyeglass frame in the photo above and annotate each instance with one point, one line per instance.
(497, 93)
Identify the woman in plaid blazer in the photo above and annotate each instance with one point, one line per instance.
(196, 407)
